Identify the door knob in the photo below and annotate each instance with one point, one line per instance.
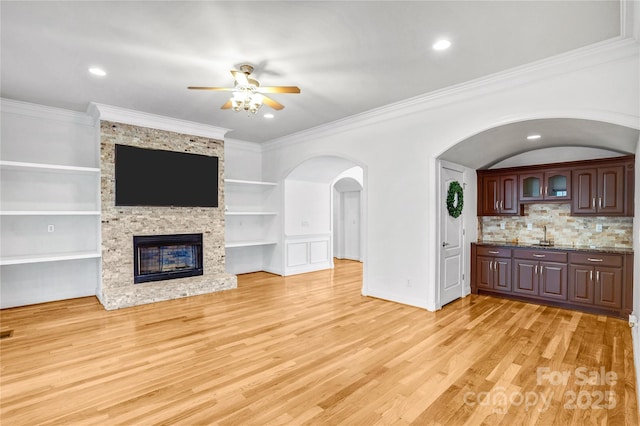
(445, 244)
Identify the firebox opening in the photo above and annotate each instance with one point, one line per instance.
(164, 257)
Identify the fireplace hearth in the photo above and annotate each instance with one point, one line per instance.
(165, 257)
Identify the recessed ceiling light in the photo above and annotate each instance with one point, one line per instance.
(268, 115)
(97, 71)
(533, 137)
(441, 44)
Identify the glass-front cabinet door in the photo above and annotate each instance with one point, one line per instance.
(550, 185)
(557, 185)
(531, 187)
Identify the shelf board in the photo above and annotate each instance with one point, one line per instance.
(49, 213)
(24, 259)
(249, 182)
(233, 244)
(250, 213)
(17, 165)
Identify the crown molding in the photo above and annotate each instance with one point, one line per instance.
(143, 119)
(599, 53)
(12, 106)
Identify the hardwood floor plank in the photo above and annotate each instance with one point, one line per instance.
(310, 349)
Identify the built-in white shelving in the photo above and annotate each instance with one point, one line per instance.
(238, 244)
(49, 213)
(250, 213)
(16, 165)
(249, 225)
(50, 197)
(249, 182)
(24, 259)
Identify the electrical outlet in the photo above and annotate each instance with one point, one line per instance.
(305, 224)
(50, 228)
(529, 226)
(502, 225)
(598, 227)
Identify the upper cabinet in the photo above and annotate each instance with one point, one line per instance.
(498, 195)
(600, 191)
(549, 185)
(593, 187)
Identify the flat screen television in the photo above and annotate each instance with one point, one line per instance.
(153, 177)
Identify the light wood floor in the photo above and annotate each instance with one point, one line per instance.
(310, 349)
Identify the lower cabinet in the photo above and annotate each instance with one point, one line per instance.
(494, 273)
(589, 281)
(540, 273)
(597, 279)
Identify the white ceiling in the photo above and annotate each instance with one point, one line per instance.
(347, 57)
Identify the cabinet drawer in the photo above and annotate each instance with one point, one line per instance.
(542, 255)
(493, 251)
(596, 259)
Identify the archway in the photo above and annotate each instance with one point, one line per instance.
(308, 212)
(347, 215)
(506, 145)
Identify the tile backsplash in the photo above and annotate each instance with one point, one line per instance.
(562, 228)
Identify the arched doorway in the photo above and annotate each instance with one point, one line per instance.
(308, 198)
(347, 215)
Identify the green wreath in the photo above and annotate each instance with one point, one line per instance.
(455, 209)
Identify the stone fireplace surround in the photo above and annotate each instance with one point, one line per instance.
(121, 223)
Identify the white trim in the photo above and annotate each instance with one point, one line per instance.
(144, 119)
(411, 301)
(43, 112)
(610, 50)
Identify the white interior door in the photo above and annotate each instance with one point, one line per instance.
(351, 222)
(451, 241)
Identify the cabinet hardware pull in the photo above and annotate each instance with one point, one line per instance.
(591, 275)
(493, 252)
(501, 205)
(535, 272)
(546, 191)
(591, 259)
(600, 202)
(593, 203)
(597, 276)
(538, 255)
(541, 269)
(495, 205)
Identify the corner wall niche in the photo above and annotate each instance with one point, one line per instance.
(121, 223)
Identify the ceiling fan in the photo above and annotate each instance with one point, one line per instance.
(247, 93)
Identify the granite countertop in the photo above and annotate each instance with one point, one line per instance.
(615, 250)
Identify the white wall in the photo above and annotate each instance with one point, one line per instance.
(398, 147)
(242, 160)
(310, 214)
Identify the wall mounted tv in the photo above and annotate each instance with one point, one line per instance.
(153, 177)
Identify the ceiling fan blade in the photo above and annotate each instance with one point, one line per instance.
(273, 104)
(240, 77)
(227, 105)
(224, 89)
(279, 89)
